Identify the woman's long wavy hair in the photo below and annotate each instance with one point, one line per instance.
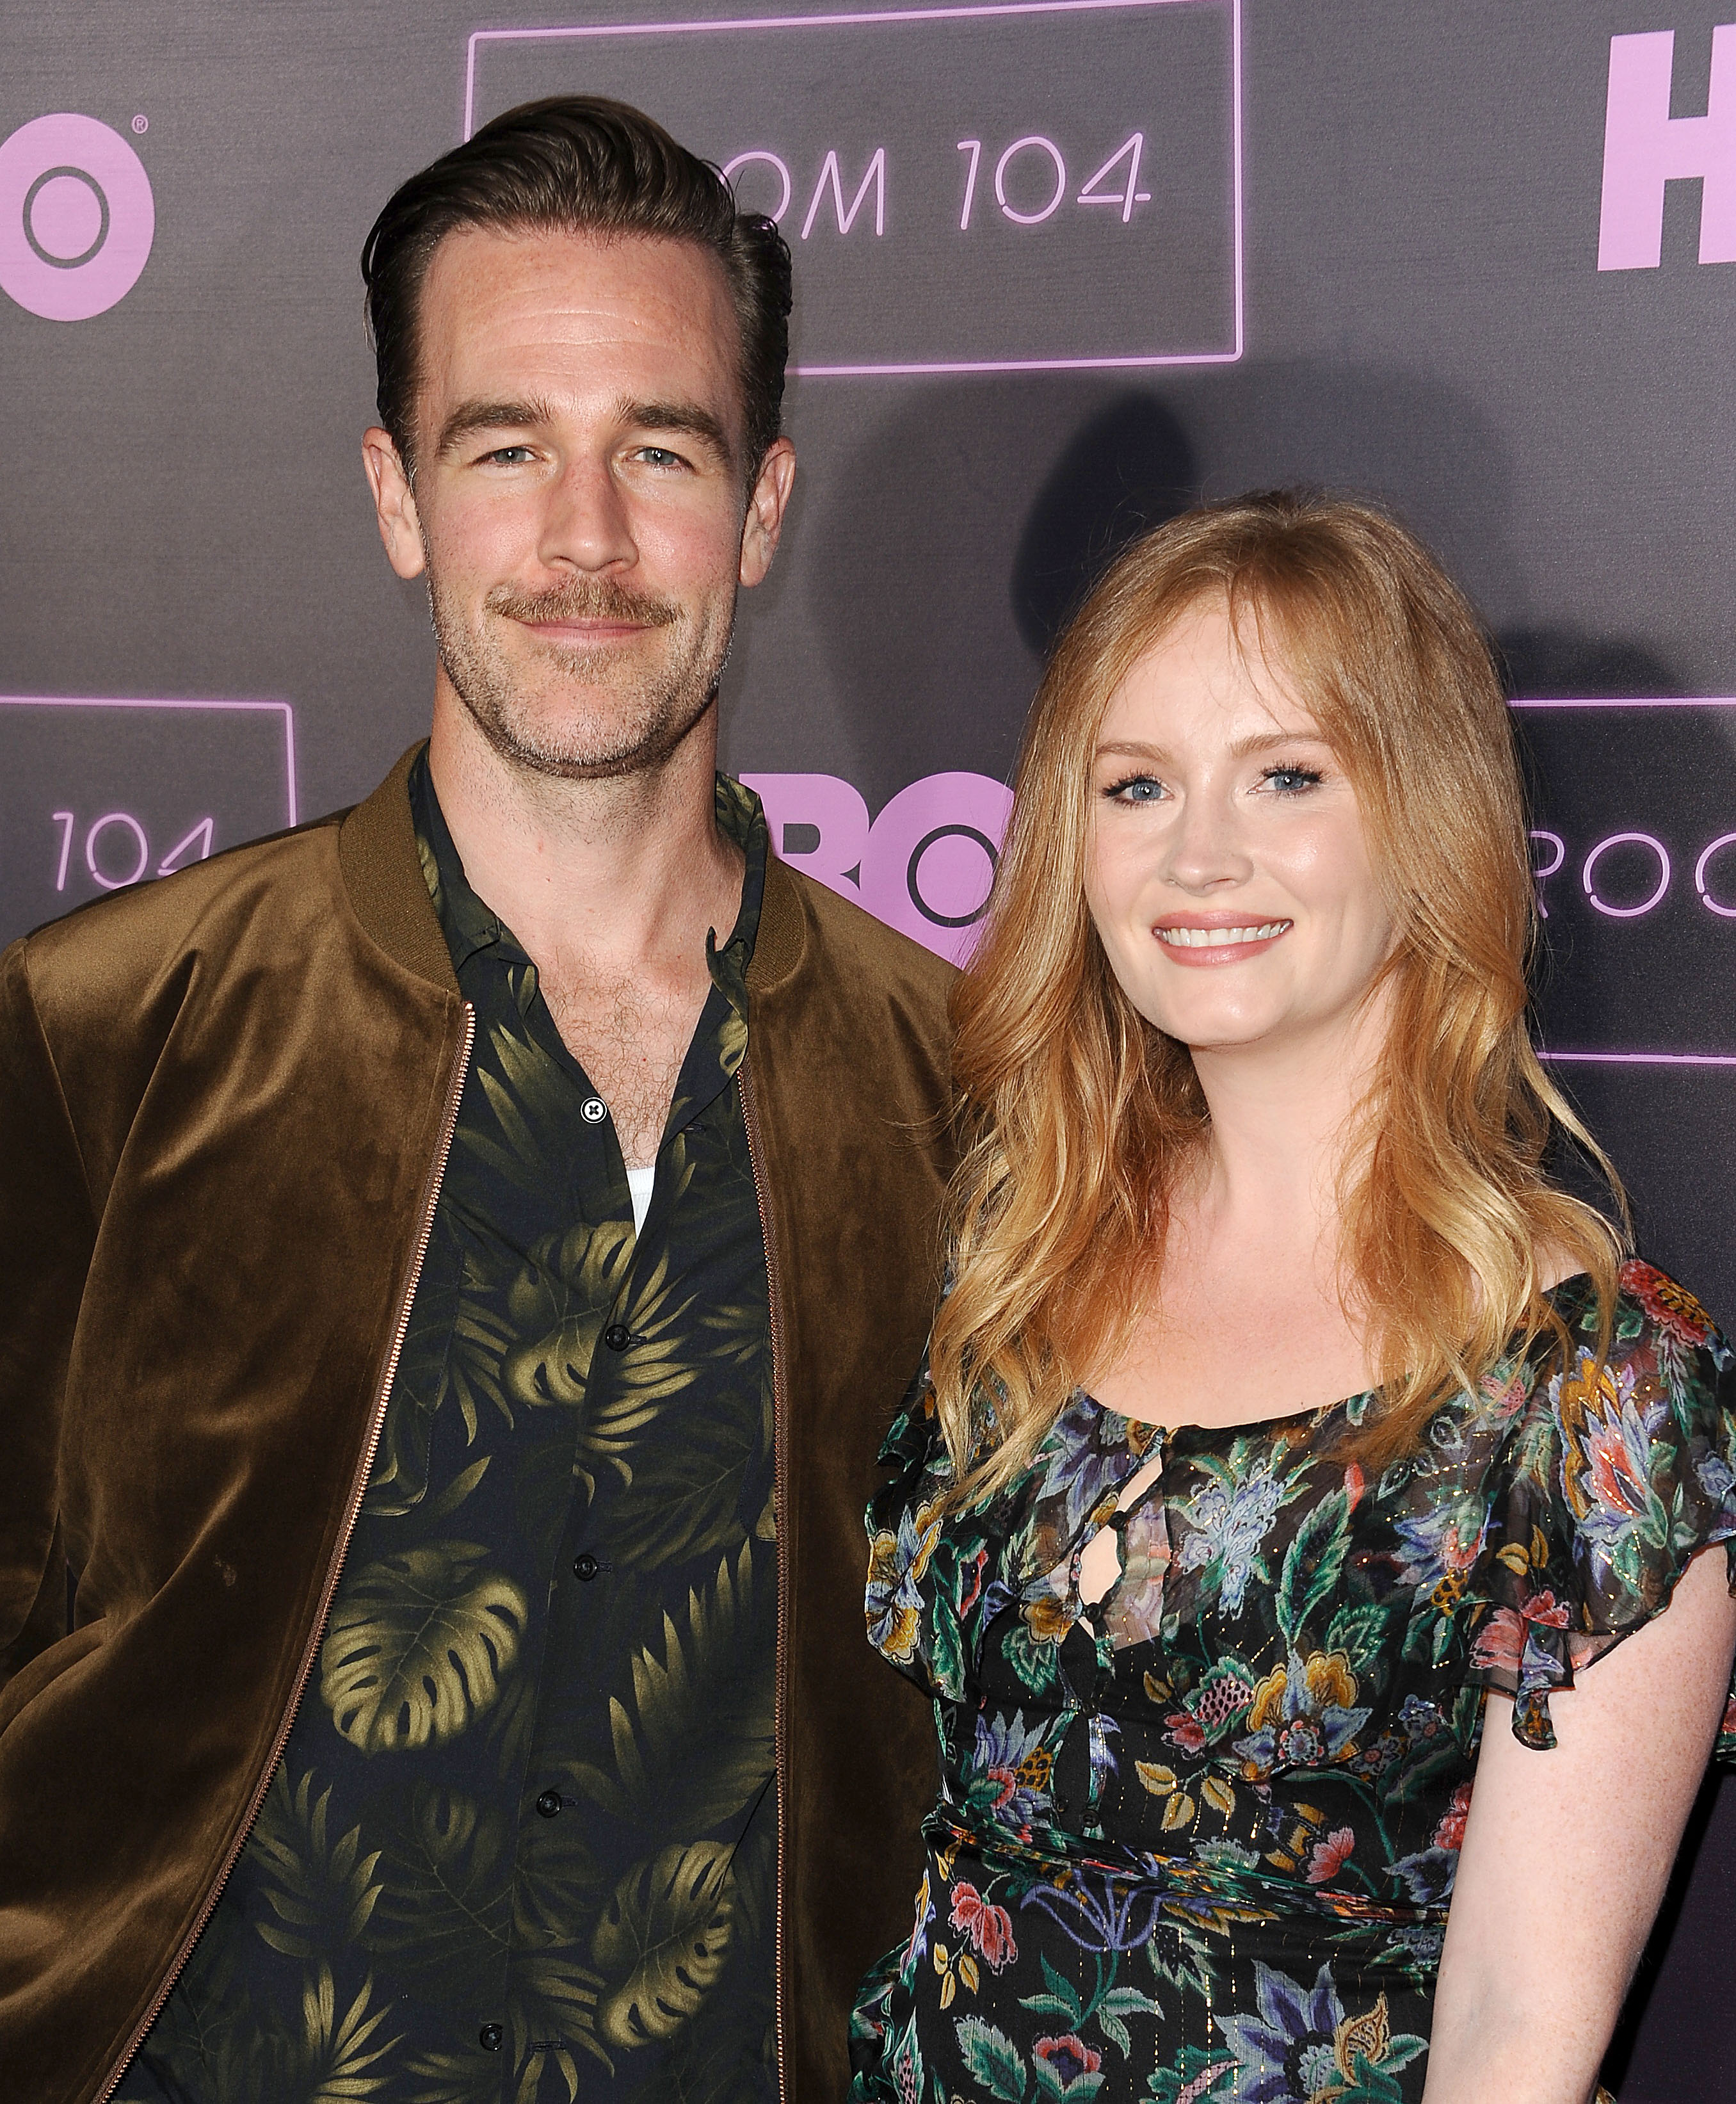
(1078, 1112)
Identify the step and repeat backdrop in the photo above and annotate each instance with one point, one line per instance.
(1063, 267)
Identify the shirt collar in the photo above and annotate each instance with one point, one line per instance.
(469, 925)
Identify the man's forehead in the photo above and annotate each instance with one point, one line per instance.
(553, 315)
(645, 284)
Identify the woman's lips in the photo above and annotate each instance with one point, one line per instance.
(1232, 943)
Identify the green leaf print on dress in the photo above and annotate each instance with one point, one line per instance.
(1251, 1785)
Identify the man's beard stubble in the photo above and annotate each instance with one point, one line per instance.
(653, 713)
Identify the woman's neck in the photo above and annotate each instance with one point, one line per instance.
(1283, 1119)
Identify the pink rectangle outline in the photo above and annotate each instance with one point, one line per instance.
(860, 20)
(1636, 702)
(133, 701)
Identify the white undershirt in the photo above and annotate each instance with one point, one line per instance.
(639, 1182)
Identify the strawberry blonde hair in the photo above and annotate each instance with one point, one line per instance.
(1078, 1112)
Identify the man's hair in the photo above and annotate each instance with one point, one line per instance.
(576, 164)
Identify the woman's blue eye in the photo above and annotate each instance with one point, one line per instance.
(1136, 789)
(1292, 781)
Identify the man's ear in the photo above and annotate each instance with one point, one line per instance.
(766, 505)
(394, 503)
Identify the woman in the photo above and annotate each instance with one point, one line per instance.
(1291, 1450)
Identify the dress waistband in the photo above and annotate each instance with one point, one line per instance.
(1229, 1891)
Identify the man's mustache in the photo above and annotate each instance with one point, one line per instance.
(585, 599)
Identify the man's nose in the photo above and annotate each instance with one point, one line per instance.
(585, 523)
(1206, 846)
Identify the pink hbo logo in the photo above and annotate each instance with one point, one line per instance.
(923, 867)
(77, 217)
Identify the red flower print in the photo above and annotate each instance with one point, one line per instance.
(989, 1927)
(1728, 1728)
(970, 1582)
(1353, 1485)
(1617, 1475)
(1501, 1641)
(1671, 1307)
(1450, 1833)
(1328, 1857)
(1504, 1397)
(1185, 1732)
(1067, 2058)
(1545, 1609)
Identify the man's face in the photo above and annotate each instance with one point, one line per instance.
(579, 501)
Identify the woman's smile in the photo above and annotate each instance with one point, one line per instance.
(1197, 939)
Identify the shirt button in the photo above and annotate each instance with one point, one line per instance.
(593, 1110)
(585, 1566)
(548, 1804)
(489, 2037)
(617, 1336)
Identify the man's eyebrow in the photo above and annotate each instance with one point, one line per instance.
(686, 418)
(470, 417)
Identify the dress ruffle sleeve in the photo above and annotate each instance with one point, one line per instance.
(911, 1621)
(1609, 1481)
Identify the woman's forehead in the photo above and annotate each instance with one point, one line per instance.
(1201, 678)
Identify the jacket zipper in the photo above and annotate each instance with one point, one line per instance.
(780, 1477)
(357, 1489)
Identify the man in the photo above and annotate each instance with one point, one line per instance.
(460, 1258)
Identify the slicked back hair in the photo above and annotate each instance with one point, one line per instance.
(577, 164)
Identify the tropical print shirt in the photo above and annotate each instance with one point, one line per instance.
(1195, 1843)
(522, 1845)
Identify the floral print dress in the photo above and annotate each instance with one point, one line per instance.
(1195, 1843)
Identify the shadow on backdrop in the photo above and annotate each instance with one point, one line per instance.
(958, 522)
(1128, 469)
(1552, 662)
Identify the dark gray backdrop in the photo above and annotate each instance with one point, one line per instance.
(1409, 275)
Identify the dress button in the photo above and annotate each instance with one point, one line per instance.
(593, 1110)
(617, 1336)
(490, 2037)
(548, 1804)
(585, 1566)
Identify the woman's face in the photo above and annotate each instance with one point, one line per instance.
(1228, 875)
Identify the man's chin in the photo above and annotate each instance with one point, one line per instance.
(601, 753)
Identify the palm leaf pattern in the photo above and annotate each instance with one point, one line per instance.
(402, 1892)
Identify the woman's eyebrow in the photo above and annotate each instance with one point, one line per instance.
(1265, 740)
(1130, 749)
(1242, 749)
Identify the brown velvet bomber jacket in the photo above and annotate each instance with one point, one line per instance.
(224, 1103)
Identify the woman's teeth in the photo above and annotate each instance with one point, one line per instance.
(1211, 939)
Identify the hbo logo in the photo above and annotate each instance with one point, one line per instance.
(77, 217)
(923, 867)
